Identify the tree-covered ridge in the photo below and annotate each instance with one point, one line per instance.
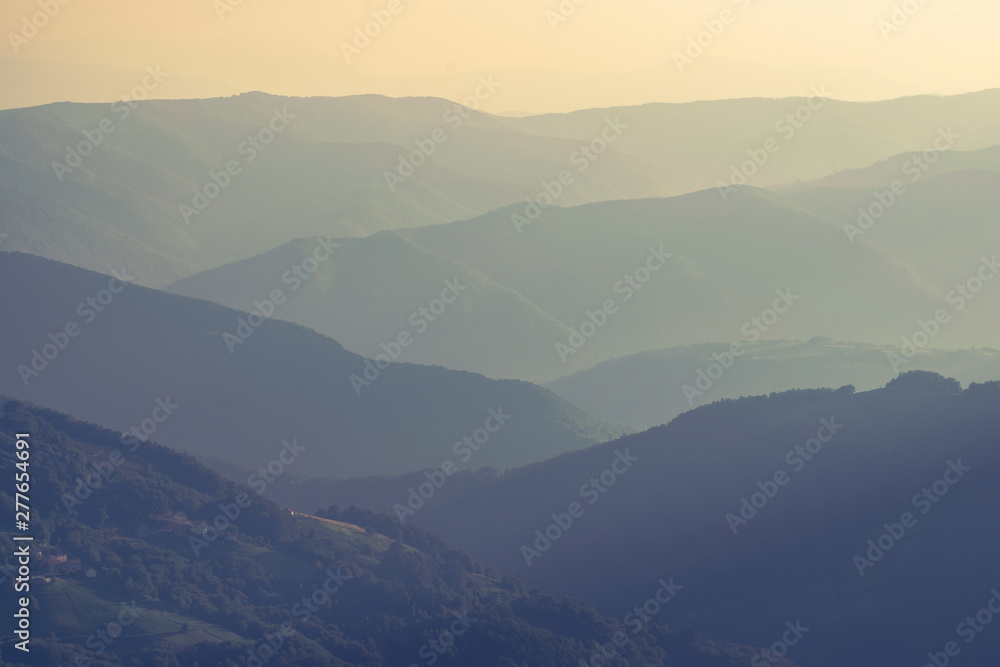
(273, 587)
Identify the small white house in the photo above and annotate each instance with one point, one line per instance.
(91, 573)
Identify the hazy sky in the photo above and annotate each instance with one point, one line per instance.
(605, 52)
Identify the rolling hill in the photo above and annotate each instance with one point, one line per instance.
(699, 144)
(538, 312)
(243, 163)
(943, 226)
(905, 166)
(266, 585)
(206, 383)
(325, 171)
(849, 511)
(651, 388)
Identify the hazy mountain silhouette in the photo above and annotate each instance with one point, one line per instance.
(323, 173)
(447, 336)
(647, 389)
(365, 295)
(942, 226)
(905, 167)
(326, 172)
(699, 144)
(282, 382)
(530, 293)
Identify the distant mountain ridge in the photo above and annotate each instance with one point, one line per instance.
(652, 388)
(331, 171)
(668, 272)
(180, 186)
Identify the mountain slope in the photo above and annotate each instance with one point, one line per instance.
(905, 166)
(720, 275)
(700, 144)
(374, 288)
(240, 398)
(942, 226)
(651, 388)
(268, 586)
(319, 165)
(325, 172)
(801, 551)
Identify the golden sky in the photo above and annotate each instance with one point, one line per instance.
(598, 52)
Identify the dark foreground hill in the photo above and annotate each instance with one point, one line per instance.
(859, 513)
(145, 583)
(188, 373)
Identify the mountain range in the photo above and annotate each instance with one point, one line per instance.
(856, 513)
(269, 585)
(666, 272)
(166, 367)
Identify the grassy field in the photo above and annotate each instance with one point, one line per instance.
(76, 610)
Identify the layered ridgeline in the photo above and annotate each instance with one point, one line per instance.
(651, 388)
(173, 187)
(356, 165)
(942, 225)
(208, 380)
(912, 167)
(702, 144)
(644, 274)
(859, 514)
(145, 557)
